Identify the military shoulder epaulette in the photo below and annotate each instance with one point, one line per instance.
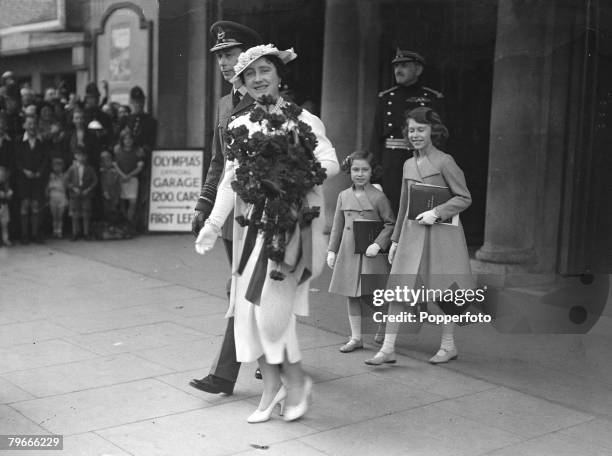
(384, 92)
(435, 92)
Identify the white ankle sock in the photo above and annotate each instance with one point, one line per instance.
(355, 321)
(388, 345)
(448, 339)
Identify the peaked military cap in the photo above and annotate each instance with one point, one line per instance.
(402, 55)
(228, 34)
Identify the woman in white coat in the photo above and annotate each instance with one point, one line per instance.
(266, 331)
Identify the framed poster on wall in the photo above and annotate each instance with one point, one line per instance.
(119, 67)
(123, 52)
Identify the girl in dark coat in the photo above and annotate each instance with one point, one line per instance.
(423, 252)
(360, 201)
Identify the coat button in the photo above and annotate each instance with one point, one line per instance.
(389, 125)
(389, 103)
(388, 113)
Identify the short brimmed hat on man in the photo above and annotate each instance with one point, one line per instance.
(402, 55)
(228, 34)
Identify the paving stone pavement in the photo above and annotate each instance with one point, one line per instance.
(98, 342)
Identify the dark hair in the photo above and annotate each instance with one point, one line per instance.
(30, 116)
(126, 131)
(424, 115)
(281, 69)
(43, 105)
(347, 163)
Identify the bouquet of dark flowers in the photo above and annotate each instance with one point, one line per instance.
(276, 168)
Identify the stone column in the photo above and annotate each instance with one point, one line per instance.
(172, 74)
(196, 72)
(339, 98)
(518, 134)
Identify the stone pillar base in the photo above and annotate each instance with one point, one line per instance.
(506, 255)
(503, 275)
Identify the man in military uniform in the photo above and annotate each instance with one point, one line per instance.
(388, 144)
(231, 39)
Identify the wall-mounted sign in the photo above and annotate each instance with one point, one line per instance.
(32, 16)
(176, 181)
(122, 52)
(119, 61)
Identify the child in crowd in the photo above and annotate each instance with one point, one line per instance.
(361, 201)
(32, 165)
(5, 196)
(81, 179)
(56, 192)
(110, 181)
(129, 162)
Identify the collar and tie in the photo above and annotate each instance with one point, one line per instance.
(236, 97)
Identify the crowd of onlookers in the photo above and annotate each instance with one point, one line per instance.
(65, 157)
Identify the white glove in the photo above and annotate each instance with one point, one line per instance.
(372, 250)
(427, 217)
(392, 250)
(331, 259)
(207, 238)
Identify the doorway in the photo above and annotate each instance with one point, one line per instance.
(289, 23)
(457, 40)
(587, 247)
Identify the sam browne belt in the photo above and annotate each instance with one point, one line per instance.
(401, 143)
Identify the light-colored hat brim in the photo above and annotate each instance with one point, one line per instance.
(252, 54)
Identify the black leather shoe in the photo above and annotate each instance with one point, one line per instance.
(258, 375)
(214, 385)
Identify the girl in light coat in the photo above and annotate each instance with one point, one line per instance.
(360, 201)
(423, 252)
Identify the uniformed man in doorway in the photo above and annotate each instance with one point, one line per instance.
(388, 144)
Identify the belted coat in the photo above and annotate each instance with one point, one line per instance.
(371, 205)
(437, 253)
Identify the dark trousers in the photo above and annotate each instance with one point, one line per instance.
(225, 365)
(393, 174)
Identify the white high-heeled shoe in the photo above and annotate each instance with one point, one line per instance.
(260, 416)
(293, 412)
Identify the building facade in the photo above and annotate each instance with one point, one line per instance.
(527, 87)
